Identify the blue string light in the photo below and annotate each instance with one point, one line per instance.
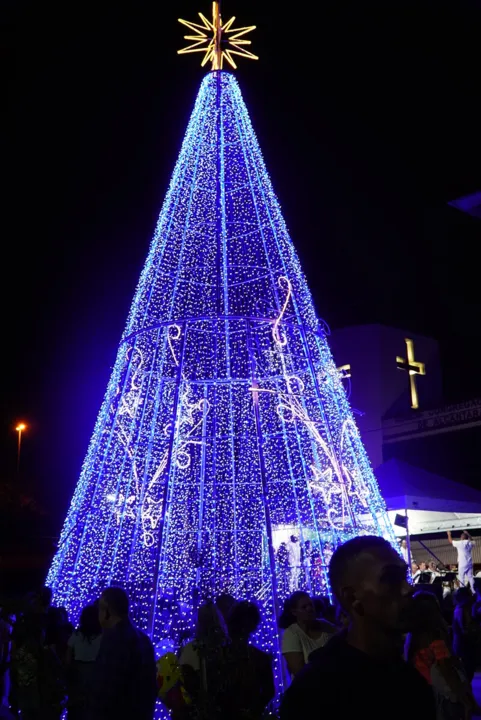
(225, 428)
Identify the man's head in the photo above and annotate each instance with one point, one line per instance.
(464, 596)
(225, 602)
(243, 620)
(404, 543)
(369, 580)
(210, 626)
(113, 607)
(464, 536)
(414, 567)
(423, 567)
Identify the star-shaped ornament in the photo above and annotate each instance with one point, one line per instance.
(217, 40)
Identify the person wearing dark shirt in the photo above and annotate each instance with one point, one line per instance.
(249, 678)
(360, 672)
(125, 672)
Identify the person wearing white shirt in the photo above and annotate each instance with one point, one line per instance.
(405, 551)
(415, 572)
(464, 548)
(294, 553)
(83, 649)
(433, 569)
(303, 632)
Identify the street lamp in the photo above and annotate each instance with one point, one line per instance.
(20, 428)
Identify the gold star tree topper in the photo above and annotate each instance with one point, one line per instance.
(217, 40)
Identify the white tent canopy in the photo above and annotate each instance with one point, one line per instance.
(433, 503)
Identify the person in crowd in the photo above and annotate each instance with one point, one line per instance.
(476, 608)
(415, 572)
(249, 684)
(428, 650)
(224, 603)
(282, 555)
(203, 659)
(37, 672)
(40, 603)
(210, 631)
(282, 560)
(83, 648)
(465, 631)
(58, 630)
(319, 603)
(124, 674)
(422, 574)
(324, 609)
(433, 569)
(464, 548)
(26, 650)
(361, 672)
(306, 554)
(447, 605)
(404, 550)
(303, 632)
(294, 553)
(454, 569)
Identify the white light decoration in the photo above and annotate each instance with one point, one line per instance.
(225, 427)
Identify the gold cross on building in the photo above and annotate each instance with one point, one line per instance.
(414, 368)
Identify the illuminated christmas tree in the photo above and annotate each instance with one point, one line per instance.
(225, 430)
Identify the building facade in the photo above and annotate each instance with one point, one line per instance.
(395, 383)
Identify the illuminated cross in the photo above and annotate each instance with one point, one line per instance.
(414, 368)
(217, 41)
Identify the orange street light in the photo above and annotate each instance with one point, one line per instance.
(20, 428)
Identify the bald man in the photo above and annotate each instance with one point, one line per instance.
(361, 672)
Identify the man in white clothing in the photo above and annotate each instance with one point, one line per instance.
(405, 551)
(464, 548)
(294, 552)
(433, 569)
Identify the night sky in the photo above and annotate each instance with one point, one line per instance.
(369, 118)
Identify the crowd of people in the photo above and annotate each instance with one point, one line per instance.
(462, 572)
(106, 669)
(103, 669)
(403, 652)
(383, 650)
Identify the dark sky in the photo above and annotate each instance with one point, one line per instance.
(368, 115)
